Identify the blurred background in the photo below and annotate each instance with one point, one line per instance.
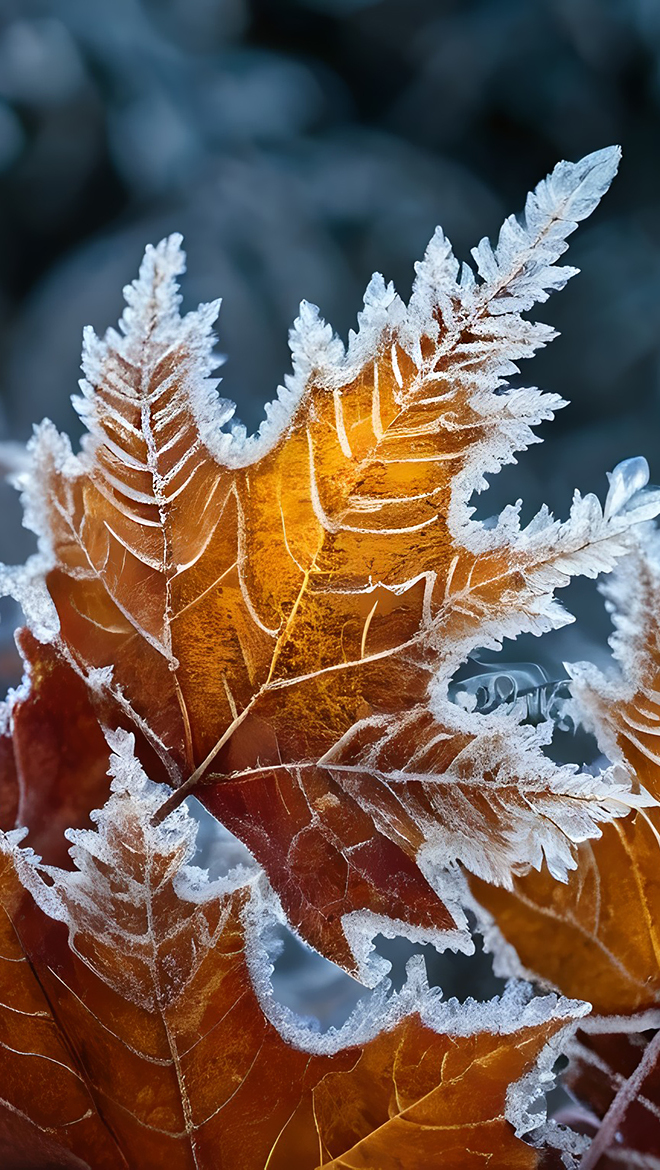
(300, 145)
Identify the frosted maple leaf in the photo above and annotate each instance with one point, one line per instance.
(140, 1028)
(278, 616)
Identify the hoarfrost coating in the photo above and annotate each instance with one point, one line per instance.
(349, 511)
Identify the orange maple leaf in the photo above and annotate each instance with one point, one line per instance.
(148, 986)
(279, 616)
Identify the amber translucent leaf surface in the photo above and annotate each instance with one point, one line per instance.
(600, 931)
(278, 617)
(459, 1123)
(159, 982)
(574, 935)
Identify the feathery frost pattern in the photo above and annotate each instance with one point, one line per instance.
(606, 917)
(278, 617)
(182, 1058)
(599, 931)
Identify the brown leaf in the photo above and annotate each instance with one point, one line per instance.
(614, 1073)
(60, 755)
(163, 994)
(9, 791)
(53, 753)
(48, 1115)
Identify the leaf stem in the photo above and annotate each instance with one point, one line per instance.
(611, 1122)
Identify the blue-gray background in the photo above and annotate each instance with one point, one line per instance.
(301, 144)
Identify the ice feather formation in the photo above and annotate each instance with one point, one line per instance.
(599, 931)
(278, 617)
(180, 1056)
(610, 908)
